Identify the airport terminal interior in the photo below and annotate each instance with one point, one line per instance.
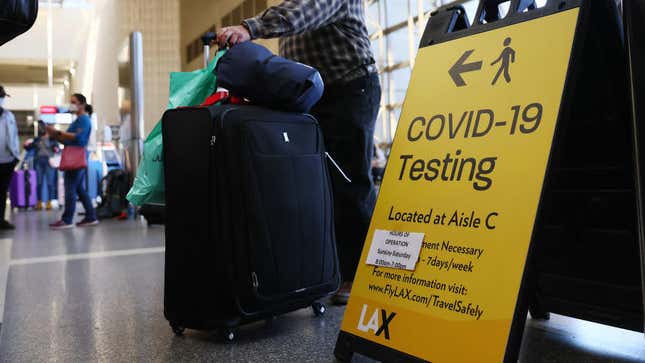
(97, 294)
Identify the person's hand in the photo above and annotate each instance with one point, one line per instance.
(232, 35)
(51, 130)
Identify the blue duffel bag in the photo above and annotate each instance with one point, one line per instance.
(251, 71)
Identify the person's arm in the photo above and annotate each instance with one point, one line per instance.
(62, 136)
(288, 18)
(293, 17)
(77, 135)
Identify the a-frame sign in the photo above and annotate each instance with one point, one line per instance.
(499, 117)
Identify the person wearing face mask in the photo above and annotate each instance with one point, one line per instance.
(78, 134)
(9, 153)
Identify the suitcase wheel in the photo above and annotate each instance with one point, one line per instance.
(229, 335)
(177, 329)
(318, 308)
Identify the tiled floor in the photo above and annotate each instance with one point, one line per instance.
(99, 298)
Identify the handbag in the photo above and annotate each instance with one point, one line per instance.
(73, 158)
(16, 17)
(54, 161)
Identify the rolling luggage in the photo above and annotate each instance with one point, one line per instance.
(23, 189)
(154, 213)
(249, 227)
(113, 201)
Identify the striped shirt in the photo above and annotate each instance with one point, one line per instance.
(329, 35)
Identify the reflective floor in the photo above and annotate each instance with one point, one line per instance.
(96, 295)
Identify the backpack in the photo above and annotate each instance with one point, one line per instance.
(115, 185)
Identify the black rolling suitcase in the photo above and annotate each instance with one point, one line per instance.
(249, 228)
(154, 213)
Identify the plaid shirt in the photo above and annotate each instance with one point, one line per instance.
(329, 35)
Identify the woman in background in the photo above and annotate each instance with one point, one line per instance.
(78, 134)
(44, 149)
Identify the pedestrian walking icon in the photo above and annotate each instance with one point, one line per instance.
(506, 58)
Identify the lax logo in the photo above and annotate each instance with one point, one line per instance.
(378, 327)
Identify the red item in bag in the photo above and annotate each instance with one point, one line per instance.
(214, 98)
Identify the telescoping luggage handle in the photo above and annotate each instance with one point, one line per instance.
(208, 39)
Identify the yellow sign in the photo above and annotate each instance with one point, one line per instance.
(466, 171)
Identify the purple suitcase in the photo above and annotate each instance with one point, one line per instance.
(23, 189)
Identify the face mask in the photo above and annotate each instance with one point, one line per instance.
(1, 101)
(73, 107)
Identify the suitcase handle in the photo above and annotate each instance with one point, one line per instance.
(337, 167)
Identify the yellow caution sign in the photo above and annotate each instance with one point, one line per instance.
(443, 261)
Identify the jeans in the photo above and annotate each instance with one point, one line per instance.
(44, 175)
(6, 172)
(347, 114)
(74, 186)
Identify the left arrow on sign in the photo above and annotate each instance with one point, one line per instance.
(461, 67)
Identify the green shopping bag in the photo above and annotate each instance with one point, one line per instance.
(186, 89)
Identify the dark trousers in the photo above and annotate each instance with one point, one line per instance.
(74, 185)
(6, 172)
(347, 113)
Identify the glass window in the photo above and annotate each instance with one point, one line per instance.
(399, 80)
(376, 47)
(398, 46)
(430, 5)
(396, 11)
(380, 132)
(471, 9)
(503, 9)
(373, 17)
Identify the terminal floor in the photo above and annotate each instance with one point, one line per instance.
(95, 294)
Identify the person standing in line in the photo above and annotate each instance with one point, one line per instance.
(78, 134)
(331, 36)
(9, 154)
(45, 147)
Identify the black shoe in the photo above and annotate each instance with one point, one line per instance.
(4, 225)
